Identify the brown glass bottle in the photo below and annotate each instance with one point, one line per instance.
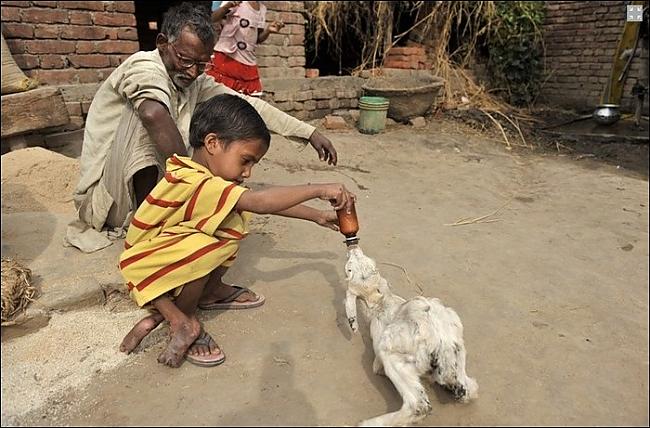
(348, 224)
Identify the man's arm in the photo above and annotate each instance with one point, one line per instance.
(161, 128)
(276, 120)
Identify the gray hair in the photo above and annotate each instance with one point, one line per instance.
(188, 15)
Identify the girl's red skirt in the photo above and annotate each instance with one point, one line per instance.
(237, 76)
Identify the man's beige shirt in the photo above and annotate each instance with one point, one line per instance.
(141, 77)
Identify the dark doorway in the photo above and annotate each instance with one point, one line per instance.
(149, 15)
(330, 62)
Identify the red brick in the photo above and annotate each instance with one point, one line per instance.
(400, 64)
(125, 6)
(86, 47)
(77, 32)
(52, 61)
(282, 6)
(406, 51)
(114, 19)
(47, 31)
(118, 46)
(127, 34)
(292, 18)
(10, 13)
(80, 18)
(111, 33)
(89, 61)
(334, 122)
(18, 31)
(311, 72)
(26, 62)
(88, 5)
(49, 46)
(16, 46)
(70, 75)
(296, 40)
(16, 3)
(44, 3)
(45, 16)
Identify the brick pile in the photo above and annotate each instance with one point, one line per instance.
(409, 58)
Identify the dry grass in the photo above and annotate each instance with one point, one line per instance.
(17, 292)
(434, 25)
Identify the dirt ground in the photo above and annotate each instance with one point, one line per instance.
(553, 296)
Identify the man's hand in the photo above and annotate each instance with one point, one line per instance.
(324, 147)
(328, 219)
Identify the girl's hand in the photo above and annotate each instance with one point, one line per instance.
(328, 219)
(230, 4)
(276, 26)
(338, 196)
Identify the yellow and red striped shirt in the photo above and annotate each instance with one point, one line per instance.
(185, 228)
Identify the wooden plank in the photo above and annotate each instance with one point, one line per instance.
(32, 110)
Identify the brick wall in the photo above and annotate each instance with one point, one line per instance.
(313, 98)
(581, 38)
(70, 44)
(67, 42)
(283, 54)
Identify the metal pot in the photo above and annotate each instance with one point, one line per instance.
(606, 114)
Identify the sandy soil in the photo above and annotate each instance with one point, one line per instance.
(553, 296)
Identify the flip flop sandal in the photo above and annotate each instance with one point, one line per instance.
(205, 360)
(230, 302)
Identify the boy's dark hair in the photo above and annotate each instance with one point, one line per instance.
(188, 15)
(230, 118)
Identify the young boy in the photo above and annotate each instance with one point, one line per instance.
(186, 233)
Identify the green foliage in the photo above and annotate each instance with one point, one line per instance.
(515, 49)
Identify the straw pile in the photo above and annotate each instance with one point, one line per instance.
(436, 26)
(17, 292)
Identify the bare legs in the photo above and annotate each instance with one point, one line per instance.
(181, 314)
(184, 326)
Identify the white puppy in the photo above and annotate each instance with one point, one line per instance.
(411, 338)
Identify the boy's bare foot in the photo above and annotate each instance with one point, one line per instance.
(139, 332)
(183, 335)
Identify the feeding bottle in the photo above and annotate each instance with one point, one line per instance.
(349, 225)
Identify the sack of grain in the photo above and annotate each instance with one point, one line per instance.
(13, 78)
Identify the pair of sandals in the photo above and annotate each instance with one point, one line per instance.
(204, 339)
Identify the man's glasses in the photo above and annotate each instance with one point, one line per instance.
(188, 62)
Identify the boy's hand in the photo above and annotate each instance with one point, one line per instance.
(276, 26)
(328, 219)
(338, 196)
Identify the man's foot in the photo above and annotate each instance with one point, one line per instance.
(183, 335)
(205, 352)
(139, 332)
(231, 297)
